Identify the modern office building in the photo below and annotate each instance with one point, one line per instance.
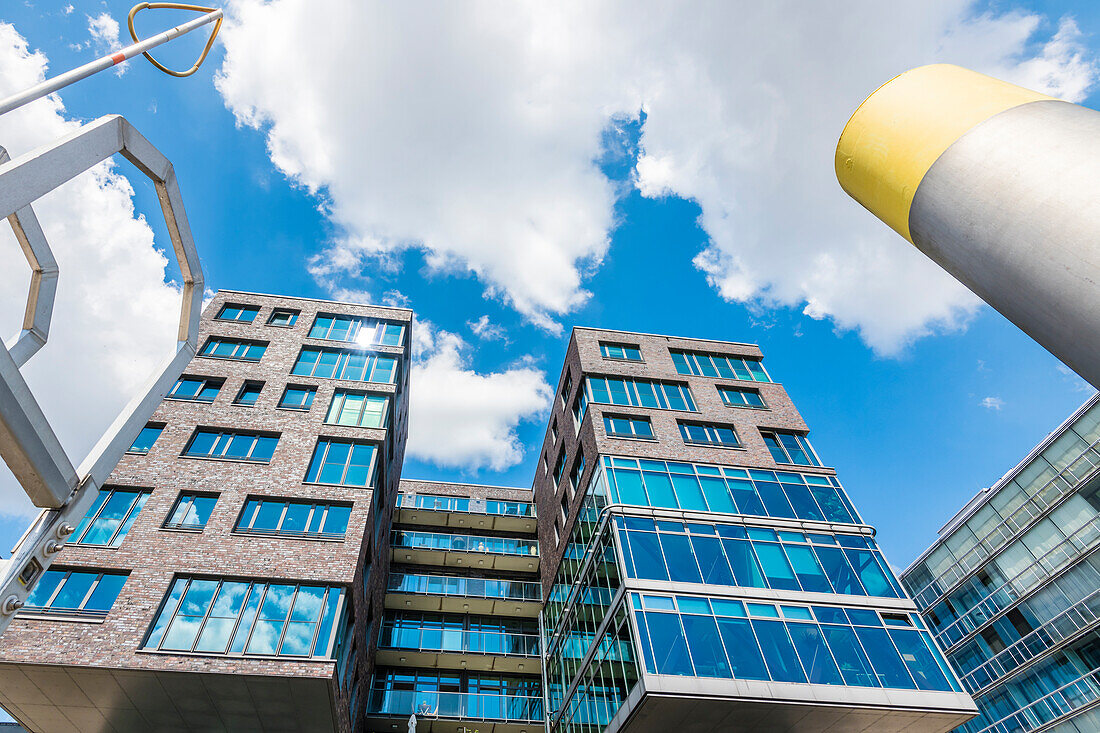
(705, 571)
(257, 562)
(229, 573)
(1011, 588)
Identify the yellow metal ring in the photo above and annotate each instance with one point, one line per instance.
(174, 6)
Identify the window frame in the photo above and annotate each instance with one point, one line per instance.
(801, 438)
(310, 389)
(606, 348)
(242, 307)
(343, 393)
(633, 393)
(158, 426)
(724, 389)
(690, 359)
(314, 505)
(232, 433)
(275, 312)
(215, 383)
(711, 430)
(631, 419)
(247, 343)
(249, 383)
(357, 325)
(167, 524)
(80, 612)
(125, 524)
(343, 357)
(372, 469)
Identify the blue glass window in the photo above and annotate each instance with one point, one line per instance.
(705, 645)
(816, 659)
(356, 366)
(625, 352)
(789, 448)
(191, 511)
(284, 317)
(323, 520)
(218, 347)
(110, 518)
(740, 396)
(639, 393)
(357, 409)
(361, 330)
(75, 592)
(699, 364)
(709, 434)
(297, 397)
(249, 394)
(145, 439)
(621, 426)
(231, 445)
(239, 313)
(247, 618)
(196, 389)
(669, 645)
(346, 463)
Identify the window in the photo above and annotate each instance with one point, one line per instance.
(217, 347)
(580, 404)
(239, 313)
(145, 439)
(110, 518)
(790, 448)
(622, 426)
(553, 431)
(707, 434)
(297, 397)
(87, 593)
(640, 393)
(624, 352)
(361, 330)
(196, 389)
(566, 388)
(250, 392)
(284, 317)
(341, 462)
(740, 397)
(577, 473)
(239, 617)
(358, 366)
(436, 503)
(322, 520)
(191, 511)
(559, 466)
(231, 445)
(698, 487)
(357, 409)
(699, 364)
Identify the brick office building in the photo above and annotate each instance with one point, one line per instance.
(691, 563)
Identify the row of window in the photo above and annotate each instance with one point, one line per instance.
(701, 637)
(312, 361)
(465, 543)
(464, 504)
(694, 363)
(753, 557)
(336, 462)
(348, 407)
(326, 326)
(115, 509)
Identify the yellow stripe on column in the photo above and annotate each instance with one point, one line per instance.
(895, 136)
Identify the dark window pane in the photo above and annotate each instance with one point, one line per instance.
(681, 561)
(742, 649)
(922, 665)
(838, 571)
(815, 657)
(776, 568)
(854, 664)
(706, 647)
(669, 647)
(712, 560)
(884, 658)
(745, 567)
(778, 651)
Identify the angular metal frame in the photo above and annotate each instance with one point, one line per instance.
(28, 443)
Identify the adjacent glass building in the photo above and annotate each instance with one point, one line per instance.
(1011, 588)
(704, 568)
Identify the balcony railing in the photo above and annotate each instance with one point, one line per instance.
(1021, 584)
(460, 641)
(496, 507)
(468, 705)
(1077, 618)
(465, 543)
(1064, 482)
(1066, 699)
(446, 585)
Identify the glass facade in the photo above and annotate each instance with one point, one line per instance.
(1010, 589)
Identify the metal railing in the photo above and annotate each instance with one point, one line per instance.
(495, 507)
(447, 585)
(1075, 619)
(459, 640)
(475, 706)
(1063, 701)
(1026, 515)
(465, 543)
(1016, 587)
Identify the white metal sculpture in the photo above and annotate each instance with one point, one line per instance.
(28, 443)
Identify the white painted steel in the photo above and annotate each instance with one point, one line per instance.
(60, 81)
(27, 442)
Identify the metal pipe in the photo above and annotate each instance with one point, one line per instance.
(82, 72)
(998, 185)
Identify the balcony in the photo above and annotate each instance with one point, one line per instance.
(466, 551)
(437, 711)
(466, 513)
(486, 651)
(463, 595)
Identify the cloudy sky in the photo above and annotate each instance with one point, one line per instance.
(512, 169)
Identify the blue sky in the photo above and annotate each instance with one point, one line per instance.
(416, 156)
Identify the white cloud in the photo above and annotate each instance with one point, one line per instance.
(486, 330)
(115, 316)
(67, 10)
(471, 130)
(460, 418)
(992, 403)
(104, 31)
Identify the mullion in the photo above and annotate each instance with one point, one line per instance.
(206, 617)
(286, 621)
(175, 612)
(256, 618)
(122, 522)
(90, 591)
